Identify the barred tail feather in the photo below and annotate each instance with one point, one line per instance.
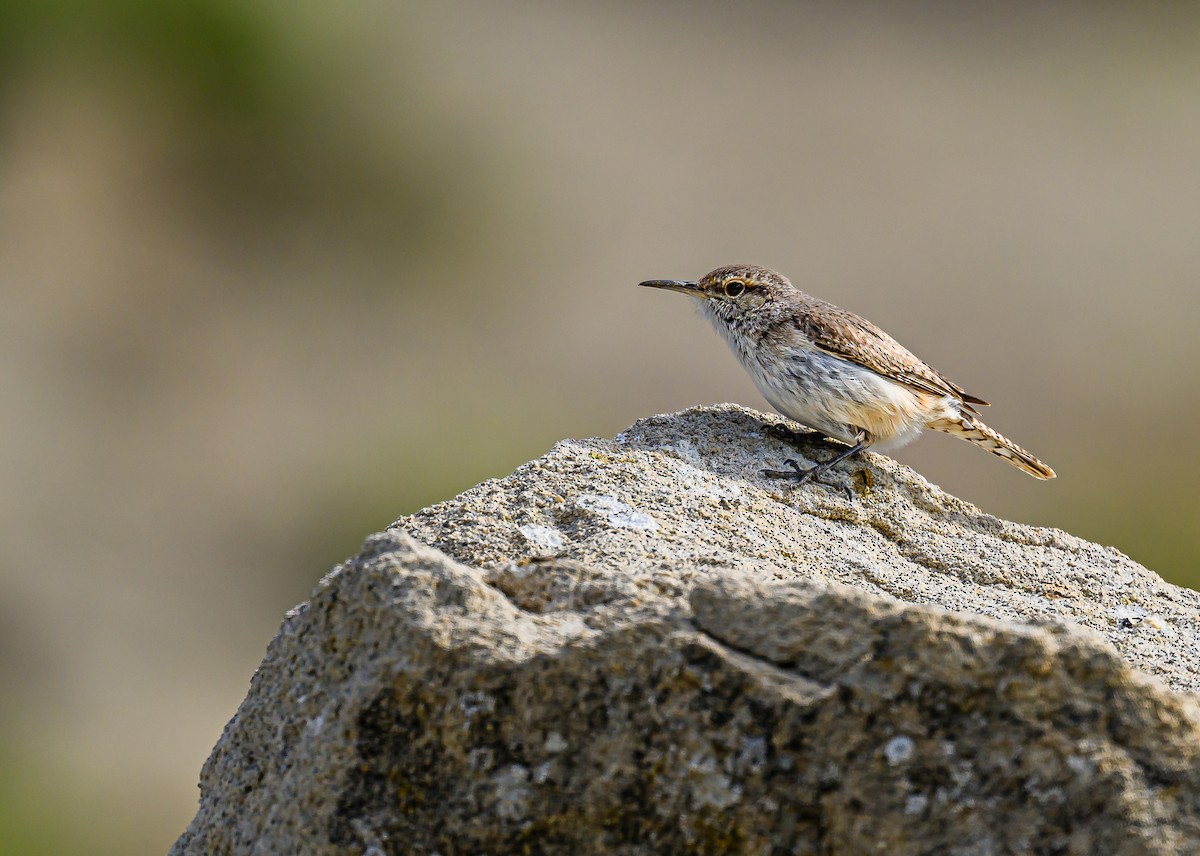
(976, 432)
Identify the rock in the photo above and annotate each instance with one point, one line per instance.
(642, 646)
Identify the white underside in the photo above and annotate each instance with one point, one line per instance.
(854, 399)
(839, 398)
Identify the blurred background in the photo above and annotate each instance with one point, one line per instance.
(274, 274)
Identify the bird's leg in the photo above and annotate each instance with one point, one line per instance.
(800, 476)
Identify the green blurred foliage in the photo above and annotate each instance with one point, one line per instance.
(1154, 520)
(248, 102)
(51, 811)
(363, 491)
(226, 57)
(31, 813)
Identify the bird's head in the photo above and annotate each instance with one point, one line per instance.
(733, 290)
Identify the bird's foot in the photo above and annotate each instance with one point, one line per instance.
(792, 436)
(796, 474)
(802, 476)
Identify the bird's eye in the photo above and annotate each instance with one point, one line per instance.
(734, 287)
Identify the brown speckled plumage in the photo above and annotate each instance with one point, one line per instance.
(833, 371)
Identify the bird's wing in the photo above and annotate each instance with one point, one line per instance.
(846, 335)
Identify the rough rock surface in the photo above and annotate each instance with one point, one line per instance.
(643, 646)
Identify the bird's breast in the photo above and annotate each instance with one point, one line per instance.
(841, 398)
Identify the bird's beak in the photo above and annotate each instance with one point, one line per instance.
(685, 286)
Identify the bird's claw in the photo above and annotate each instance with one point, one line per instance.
(800, 476)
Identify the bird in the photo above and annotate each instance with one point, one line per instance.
(834, 372)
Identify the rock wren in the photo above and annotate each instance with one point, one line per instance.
(834, 372)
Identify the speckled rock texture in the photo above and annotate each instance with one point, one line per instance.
(642, 646)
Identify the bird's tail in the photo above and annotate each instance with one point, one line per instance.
(976, 432)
